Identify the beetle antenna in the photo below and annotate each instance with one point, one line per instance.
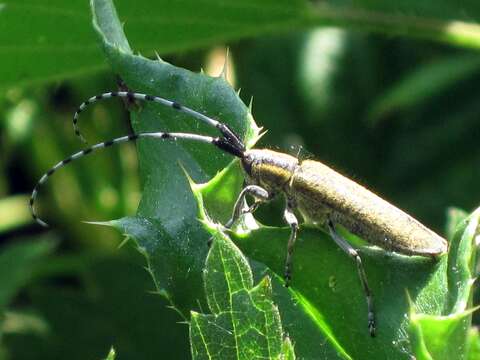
(225, 130)
(222, 143)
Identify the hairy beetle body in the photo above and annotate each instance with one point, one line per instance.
(320, 193)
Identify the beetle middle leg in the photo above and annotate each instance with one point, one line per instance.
(292, 221)
(361, 273)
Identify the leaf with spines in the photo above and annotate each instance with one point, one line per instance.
(430, 333)
(166, 225)
(245, 323)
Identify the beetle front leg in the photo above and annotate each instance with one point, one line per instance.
(241, 207)
(361, 273)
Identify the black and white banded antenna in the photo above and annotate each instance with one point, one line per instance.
(228, 142)
(224, 129)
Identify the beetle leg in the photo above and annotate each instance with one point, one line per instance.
(292, 221)
(361, 273)
(241, 207)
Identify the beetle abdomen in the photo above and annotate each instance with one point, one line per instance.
(320, 191)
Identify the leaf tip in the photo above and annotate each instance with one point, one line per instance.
(157, 55)
(224, 72)
(250, 105)
(111, 223)
(193, 185)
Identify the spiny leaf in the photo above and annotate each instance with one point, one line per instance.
(445, 336)
(245, 323)
(166, 228)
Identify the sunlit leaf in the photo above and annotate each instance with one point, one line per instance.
(244, 322)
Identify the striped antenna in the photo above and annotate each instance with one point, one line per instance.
(223, 128)
(222, 143)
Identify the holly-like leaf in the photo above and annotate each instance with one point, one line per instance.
(445, 336)
(166, 224)
(244, 323)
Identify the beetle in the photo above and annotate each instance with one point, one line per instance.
(322, 196)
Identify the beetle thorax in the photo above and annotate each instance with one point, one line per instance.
(268, 169)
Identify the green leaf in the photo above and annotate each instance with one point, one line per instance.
(57, 36)
(17, 264)
(446, 336)
(166, 225)
(60, 39)
(473, 344)
(245, 323)
(455, 217)
(109, 306)
(462, 262)
(440, 337)
(61, 42)
(407, 18)
(424, 83)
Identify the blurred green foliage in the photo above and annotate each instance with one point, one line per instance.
(394, 112)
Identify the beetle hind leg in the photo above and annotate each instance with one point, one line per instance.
(345, 246)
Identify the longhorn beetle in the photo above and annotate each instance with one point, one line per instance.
(321, 195)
